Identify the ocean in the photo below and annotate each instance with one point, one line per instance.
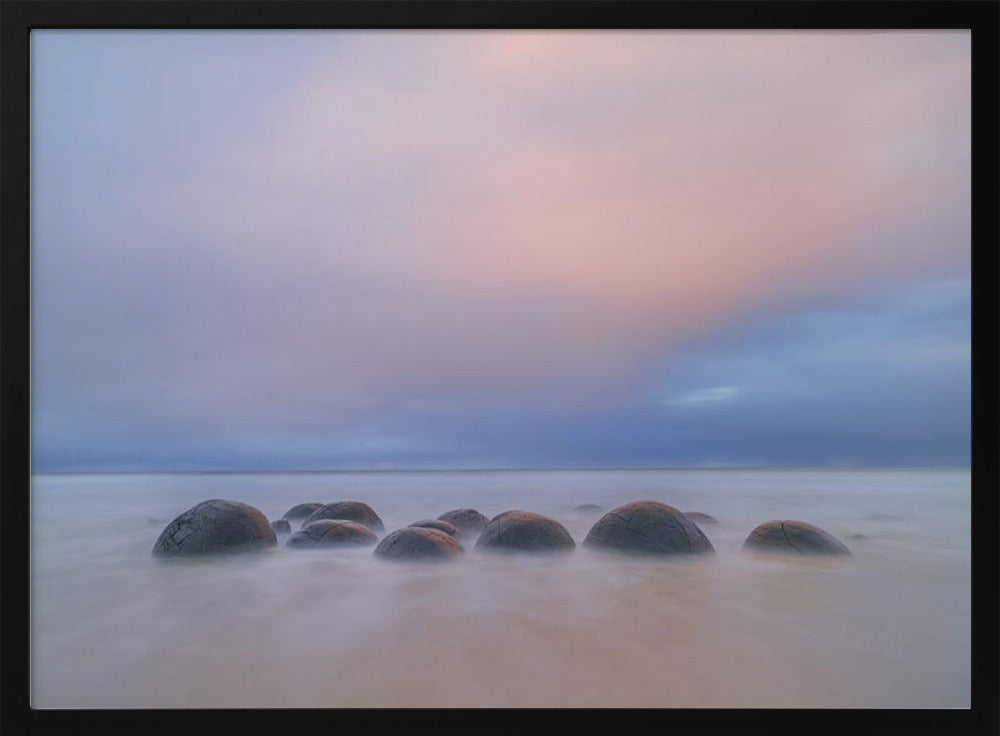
(888, 627)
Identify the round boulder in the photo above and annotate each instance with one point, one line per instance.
(699, 518)
(794, 537)
(301, 511)
(349, 511)
(281, 526)
(215, 526)
(469, 521)
(522, 531)
(418, 543)
(648, 528)
(589, 508)
(332, 533)
(442, 526)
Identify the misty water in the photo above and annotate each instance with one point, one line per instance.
(889, 627)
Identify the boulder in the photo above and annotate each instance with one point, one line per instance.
(794, 537)
(522, 531)
(332, 533)
(301, 511)
(442, 526)
(700, 518)
(281, 526)
(418, 543)
(469, 521)
(349, 511)
(648, 528)
(215, 526)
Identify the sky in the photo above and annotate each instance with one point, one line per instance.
(305, 250)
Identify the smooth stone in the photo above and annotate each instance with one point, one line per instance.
(469, 521)
(648, 528)
(700, 518)
(418, 543)
(348, 511)
(332, 533)
(301, 511)
(281, 526)
(442, 526)
(794, 537)
(523, 531)
(216, 526)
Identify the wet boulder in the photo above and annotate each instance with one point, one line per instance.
(348, 511)
(442, 526)
(281, 526)
(701, 518)
(418, 543)
(523, 531)
(468, 521)
(332, 533)
(794, 537)
(301, 511)
(215, 526)
(648, 528)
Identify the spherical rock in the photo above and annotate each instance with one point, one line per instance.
(442, 526)
(469, 521)
(215, 526)
(301, 511)
(349, 511)
(332, 533)
(700, 518)
(281, 526)
(648, 528)
(522, 531)
(794, 537)
(418, 543)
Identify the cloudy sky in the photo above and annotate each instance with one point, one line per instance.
(263, 250)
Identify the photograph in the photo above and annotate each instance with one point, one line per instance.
(500, 368)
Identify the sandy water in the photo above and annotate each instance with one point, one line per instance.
(113, 627)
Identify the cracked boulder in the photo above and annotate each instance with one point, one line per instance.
(701, 518)
(418, 543)
(215, 526)
(348, 511)
(523, 531)
(794, 537)
(332, 533)
(281, 526)
(468, 521)
(301, 511)
(648, 528)
(442, 526)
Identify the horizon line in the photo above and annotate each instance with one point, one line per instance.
(345, 471)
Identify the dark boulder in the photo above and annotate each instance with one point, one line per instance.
(349, 511)
(469, 521)
(418, 543)
(700, 518)
(281, 526)
(216, 526)
(442, 526)
(332, 533)
(301, 511)
(648, 528)
(522, 531)
(795, 537)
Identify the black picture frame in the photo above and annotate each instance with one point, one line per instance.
(18, 18)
